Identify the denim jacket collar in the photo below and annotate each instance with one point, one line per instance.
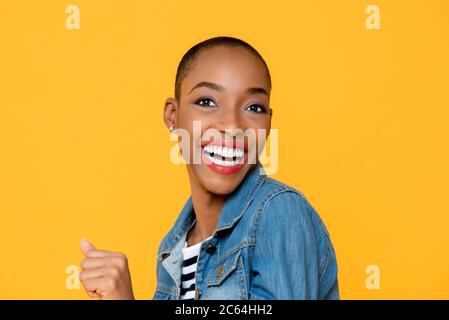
(232, 211)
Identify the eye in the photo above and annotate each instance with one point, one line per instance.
(256, 108)
(205, 102)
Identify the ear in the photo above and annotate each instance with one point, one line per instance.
(170, 112)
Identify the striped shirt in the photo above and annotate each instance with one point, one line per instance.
(190, 258)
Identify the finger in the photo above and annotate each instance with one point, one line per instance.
(94, 253)
(92, 263)
(92, 273)
(92, 294)
(96, 286)
(85, 246)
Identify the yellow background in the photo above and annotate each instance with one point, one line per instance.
(362, 117)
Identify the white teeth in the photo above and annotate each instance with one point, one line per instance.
(224, 151)
(222, 162)
(237, 153)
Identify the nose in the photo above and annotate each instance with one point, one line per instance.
(230, 122)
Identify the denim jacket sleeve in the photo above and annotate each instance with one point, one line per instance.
(293, 257)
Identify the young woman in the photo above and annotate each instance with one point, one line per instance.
(241, 235)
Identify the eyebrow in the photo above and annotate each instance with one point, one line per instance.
(210, 85)
(215, 86)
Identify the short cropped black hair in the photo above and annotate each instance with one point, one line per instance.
(186, 63)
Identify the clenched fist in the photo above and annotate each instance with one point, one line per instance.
(105, 274)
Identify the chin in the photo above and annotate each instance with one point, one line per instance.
(220, 188)
(221, 184)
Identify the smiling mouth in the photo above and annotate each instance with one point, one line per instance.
(224, 156)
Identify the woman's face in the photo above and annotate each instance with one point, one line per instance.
(227, 90)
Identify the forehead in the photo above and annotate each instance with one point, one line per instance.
(231, 67)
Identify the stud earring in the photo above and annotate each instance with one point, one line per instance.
(171, 128)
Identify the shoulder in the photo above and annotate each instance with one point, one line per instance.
(274, 194)
(272, 190)
(285, 207)
(285, 216)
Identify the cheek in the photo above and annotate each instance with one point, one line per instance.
(191, 119)
(189, 113)
(193, 127)
(261, 132)
(261, 140)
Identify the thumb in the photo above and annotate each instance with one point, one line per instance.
(86, 246)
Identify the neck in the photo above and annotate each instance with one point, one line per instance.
(207, 207)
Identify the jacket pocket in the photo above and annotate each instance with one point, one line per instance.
(224, 268)
(227, 279)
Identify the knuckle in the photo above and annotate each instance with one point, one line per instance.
(111, 283)
(121, 261)
(122, 256)
(114, 272)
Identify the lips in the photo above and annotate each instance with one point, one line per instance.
(224, 157)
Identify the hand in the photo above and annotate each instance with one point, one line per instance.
(105, 274)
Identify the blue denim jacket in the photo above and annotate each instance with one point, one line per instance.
(269, 243)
